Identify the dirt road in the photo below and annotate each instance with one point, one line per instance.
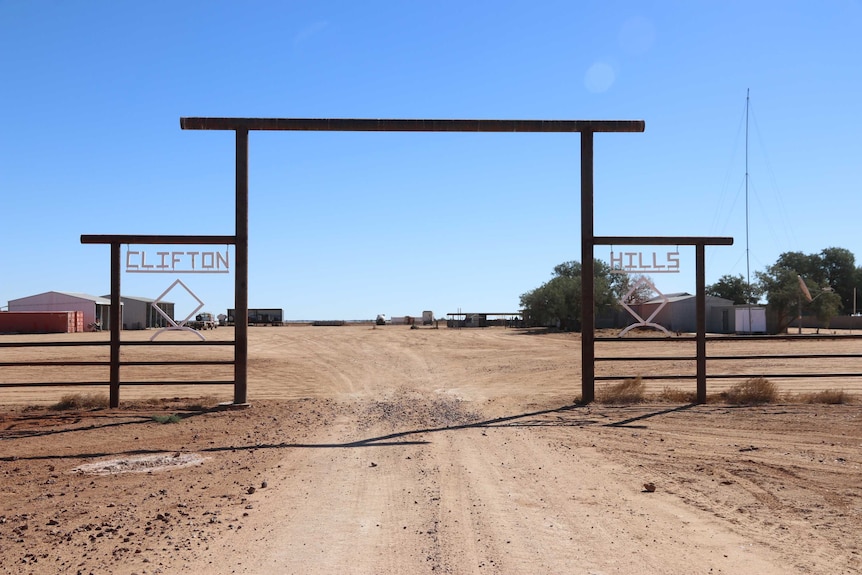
(391, 450)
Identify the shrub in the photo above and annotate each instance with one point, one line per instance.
(674, 395)
(201, 403)
(628, 391)
(81, 401)
(753, 391)
(830, 396)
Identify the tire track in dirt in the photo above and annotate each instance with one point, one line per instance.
(434, 490)
(538, 506)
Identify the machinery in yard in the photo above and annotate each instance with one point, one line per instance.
(202, 321)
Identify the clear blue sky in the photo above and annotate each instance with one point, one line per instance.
(349, 225)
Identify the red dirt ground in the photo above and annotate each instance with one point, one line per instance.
(389, 450)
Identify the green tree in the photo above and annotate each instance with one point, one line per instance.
(734, 288)
(554, 302)
(781, 286)
(558, 301)
(808, 266)
(826, 305)
(839, 272)
(643, 292)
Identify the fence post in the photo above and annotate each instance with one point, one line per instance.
(588, 311)
(700, 303)
(241, 278)
(116, 319)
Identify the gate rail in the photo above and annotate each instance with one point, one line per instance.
(731, 358)
(108, 363)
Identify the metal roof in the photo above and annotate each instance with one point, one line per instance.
(85, 296)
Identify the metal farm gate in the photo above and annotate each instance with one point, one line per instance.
(241, 128)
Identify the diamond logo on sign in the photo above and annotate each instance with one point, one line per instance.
(636, 263)
(173, 324)
(644, 281)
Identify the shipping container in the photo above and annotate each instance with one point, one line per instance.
(96, 310)
(76, 321)
(259, 316)
(41, 321)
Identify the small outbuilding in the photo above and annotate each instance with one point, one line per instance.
(680, 312)
(749, 319)
(138, 312)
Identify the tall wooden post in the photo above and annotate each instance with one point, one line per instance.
(241, 278)
(700, 302)
(116, 319)
(588, 311)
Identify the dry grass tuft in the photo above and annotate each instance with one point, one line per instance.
(674, 395)
(81, 401)
(201, 403)
(142, 403)
(182, 403)
(628, 391)
(753, 391)
(828, 396)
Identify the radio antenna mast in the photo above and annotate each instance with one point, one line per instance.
(747, 251)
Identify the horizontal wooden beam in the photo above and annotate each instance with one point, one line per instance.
(158, 240)
(394, 125)
(662, 241)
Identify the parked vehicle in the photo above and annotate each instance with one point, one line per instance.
(204, 320)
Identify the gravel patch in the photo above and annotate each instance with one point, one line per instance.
(142, 464)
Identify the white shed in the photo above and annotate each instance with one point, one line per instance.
(749, 319)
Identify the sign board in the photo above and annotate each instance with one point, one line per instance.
(177, 262)
(185, 262)
(640, 263)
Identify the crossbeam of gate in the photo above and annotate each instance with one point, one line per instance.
(242, 126)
